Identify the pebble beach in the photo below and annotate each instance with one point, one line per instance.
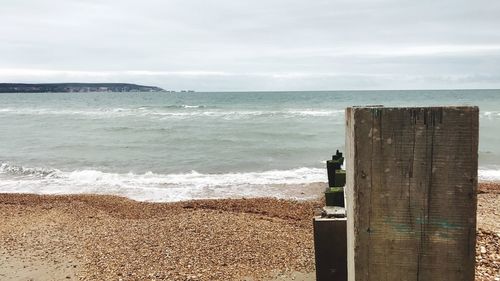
(98, 237)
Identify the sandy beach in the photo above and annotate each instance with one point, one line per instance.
(90, 237)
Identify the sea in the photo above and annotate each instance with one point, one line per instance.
(166, 147)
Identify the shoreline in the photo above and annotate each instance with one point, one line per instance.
(109, 237)
(292, 192)
(89, 237)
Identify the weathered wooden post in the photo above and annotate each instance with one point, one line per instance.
(411, 193)
(330, 246)
(330, 240)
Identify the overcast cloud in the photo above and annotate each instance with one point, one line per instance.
(210, 45)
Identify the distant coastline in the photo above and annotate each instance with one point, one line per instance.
(75, 88)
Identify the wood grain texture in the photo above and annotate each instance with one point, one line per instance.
(330, 249)
(411, 193)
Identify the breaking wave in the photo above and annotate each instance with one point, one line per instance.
(489, 175)
(156, 187)
(189, 111)
(491, 114)
(170, 187)
(173, 111)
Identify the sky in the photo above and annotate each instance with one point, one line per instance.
(254, 45)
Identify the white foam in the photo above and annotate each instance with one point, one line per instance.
(23, 171)
(159, 187)
(170, 187)
(179, 112)
(104, 112)
(490, 175)
(192, 106)
(317, 113)
(491, 114)
(188, 111)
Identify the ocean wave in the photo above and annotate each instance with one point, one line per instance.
(157, 187)
(181, 106)
(104, 112)
(490, 114)
(172, 187)
(318, 113)
(293, 176)
(489, 175)
(166, 112)
(184, 111)
(23, 171)
(193, 178)
(192, 106)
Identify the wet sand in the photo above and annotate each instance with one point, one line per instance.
(91, 237)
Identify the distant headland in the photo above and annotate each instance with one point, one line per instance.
(75, 88)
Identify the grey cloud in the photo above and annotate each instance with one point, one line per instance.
(253, 45)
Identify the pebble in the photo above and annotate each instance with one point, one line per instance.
(204, 240)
